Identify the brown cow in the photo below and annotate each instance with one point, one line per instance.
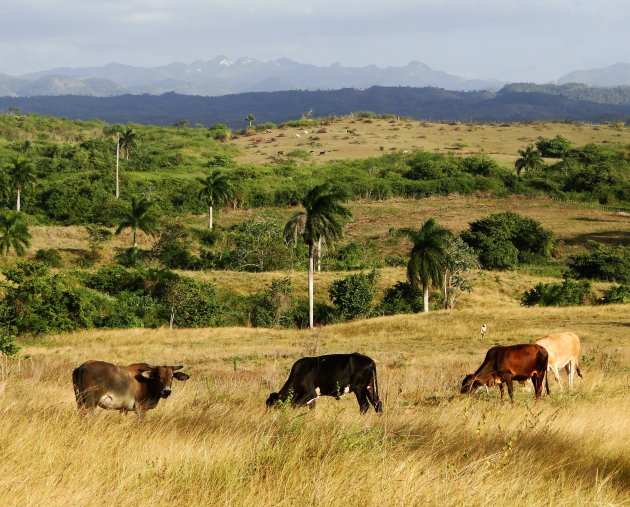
(506, 364)
(136, 387)
(564, 352)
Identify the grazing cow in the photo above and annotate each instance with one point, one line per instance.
(136, 387)
(331, 375)
(564, 352)
(506, 364)
(322, 153)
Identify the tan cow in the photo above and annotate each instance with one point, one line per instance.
(564, 352)
(137, 387)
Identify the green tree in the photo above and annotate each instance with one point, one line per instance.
(428, 257)
(128, 140)
(323, 219)
(14, 233)
(216, 189)
(250, 118)
(21, 175)
(140, 216)
(5, 186)
(530, 159)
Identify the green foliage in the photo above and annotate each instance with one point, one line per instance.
(274, 307)
(530, 160)
(503, 240)
(616, 295)
(14, 233)
(140, 216)
(49, 256)
(8, 346)
(556, 147)
(607, 264)
(356, 255)
(219, 131)
(427, 258)
(172, 247)
(567, 293)
(401, 298)
(353, 295)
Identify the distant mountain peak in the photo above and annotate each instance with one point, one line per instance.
(617, 74)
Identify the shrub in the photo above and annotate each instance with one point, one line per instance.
(401, 298)
(356, 255)
(567, 293)
(504, 239)
(49, 256)
(352, 296)
(172, 247)
(556, 147)
(608, 264)
(619, 294)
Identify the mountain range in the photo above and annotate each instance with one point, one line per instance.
(509, 104)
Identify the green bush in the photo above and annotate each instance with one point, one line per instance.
(49, 256)
(556, 147)
(567, 293)
(603, 263)
(352, 296)
(619, 294)
(401, 298)
(503, 240)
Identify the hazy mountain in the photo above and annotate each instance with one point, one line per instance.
(279, 107)
(614, 75)
(222, 76)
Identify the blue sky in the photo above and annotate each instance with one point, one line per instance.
(512, 40)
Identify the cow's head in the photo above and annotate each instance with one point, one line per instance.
(161, 378)
(470, 384)
(273, 400)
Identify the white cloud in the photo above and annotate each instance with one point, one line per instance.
(509, 39)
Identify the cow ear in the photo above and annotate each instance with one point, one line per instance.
(180, 375)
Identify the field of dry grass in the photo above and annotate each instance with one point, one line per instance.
(350, 138)
(213, 443)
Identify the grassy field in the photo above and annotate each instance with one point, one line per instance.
(351, 138)
(213, 443)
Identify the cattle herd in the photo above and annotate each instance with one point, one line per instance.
(139, 387)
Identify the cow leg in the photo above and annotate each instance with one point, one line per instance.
(537, 379)
(556, 375)
(362, 399)
(510, 387)
(309, 399)
(501, 389)
(570, 368)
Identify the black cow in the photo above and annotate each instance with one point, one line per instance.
(331, 375)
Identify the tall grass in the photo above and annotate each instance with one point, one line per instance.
(213, 443)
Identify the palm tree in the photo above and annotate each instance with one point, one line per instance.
(322, 218)
(216, 189)
(128, 140)
(138, 217)
(428, 256)
(13, 233)
(250, 118)
(21, 175)
(530, 158)
(295, 228)
(5, 186)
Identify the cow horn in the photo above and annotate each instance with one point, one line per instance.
(175, 368)
(147, 367)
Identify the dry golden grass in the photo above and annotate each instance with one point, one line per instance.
(572, 223)
(213, 443)
(499, 141)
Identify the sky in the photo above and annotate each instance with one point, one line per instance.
(510, 40)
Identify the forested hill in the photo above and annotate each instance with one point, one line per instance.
(277, 107)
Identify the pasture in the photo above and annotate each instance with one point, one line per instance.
(213, 443)
(355, 137)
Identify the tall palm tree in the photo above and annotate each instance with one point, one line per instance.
(322, 218)
(21, 175)
(250, 118)
(294, 228)
(216, 189)
(530, 159)
(128, 140)
(138, 217)
(13, 233)
(428, 256)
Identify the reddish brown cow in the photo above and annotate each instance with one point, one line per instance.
(507, 364)
(138, 387)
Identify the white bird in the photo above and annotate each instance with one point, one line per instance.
(484, 328)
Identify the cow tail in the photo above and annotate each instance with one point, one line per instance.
(378, 404)
(577, 370)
